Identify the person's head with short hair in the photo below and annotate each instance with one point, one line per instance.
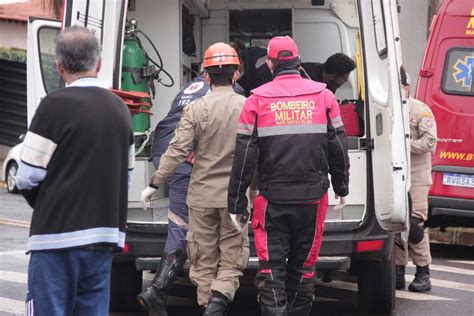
(239, 48)
(221, 64)
(282, 55)
(405, 81)
(336, 70)
(77, 53)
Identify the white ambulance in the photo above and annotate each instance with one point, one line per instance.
(360, 237)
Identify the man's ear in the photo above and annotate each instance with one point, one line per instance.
(60, 68)
(270, 65)
(235, 77)
(98, 65)
(206, 76)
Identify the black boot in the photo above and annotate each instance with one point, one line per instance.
(154, 297)
(302, 310)
(218, 305)
(400, 277)
(274, 311)
(422, 282)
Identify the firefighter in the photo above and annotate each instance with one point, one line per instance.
(294, 127)
(218, 252)
(174, 256)
(423, 140)
(334, 72)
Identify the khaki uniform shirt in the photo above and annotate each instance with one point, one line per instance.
(210, 124)
(423, 141)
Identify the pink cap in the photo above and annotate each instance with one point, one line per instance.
(282, 43)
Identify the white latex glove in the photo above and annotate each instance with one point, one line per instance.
(146, 197)
(342, 202)
(235, 219)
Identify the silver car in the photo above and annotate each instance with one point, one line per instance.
(10, 167)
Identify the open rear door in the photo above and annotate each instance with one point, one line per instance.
(107, 18)
(387, 112)
(42, 76)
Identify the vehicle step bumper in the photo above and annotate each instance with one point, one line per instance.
(325, 263)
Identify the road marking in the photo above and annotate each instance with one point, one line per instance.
(447, 269)
(14, 222)
(12, 306)
(461, 261)
(399, 294)
(452, 285)
(14, 277)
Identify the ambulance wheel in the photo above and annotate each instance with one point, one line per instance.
(125, 285)
(376, 286)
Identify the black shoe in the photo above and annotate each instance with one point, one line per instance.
(217, 305)
(422, 282)
(154, 297)
(274, 311)
(400, 277)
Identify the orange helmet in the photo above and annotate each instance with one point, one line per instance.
(220, 54)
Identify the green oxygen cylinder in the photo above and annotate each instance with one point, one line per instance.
(134, 59)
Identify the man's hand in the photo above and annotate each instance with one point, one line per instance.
(239, 220)
(342, 202)
(146, 197)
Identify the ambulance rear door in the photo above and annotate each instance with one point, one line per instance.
(387, 140)
(107, 18)
(42, 76)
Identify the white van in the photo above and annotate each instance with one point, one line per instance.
(361, 235)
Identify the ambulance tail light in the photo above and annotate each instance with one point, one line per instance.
(369, 245)
(126, 249)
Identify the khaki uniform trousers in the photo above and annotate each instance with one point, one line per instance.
(419, 253)
(218, 252)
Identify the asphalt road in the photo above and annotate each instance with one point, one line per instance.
(452, 274)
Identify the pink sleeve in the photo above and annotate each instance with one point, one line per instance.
(334, 111)
(248, 116)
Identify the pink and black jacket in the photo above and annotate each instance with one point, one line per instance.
(294, 127)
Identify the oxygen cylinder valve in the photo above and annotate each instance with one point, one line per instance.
(131, 28)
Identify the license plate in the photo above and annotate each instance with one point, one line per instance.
(458, 180)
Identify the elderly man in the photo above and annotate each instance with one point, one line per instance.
(76, 179)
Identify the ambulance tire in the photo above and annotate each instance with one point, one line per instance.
(125, 285)
(376, 286)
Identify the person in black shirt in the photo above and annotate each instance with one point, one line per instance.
(334, 72)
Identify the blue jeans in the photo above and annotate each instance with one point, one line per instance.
(69, 282)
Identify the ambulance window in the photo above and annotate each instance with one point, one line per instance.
(379, 25)
(46, 46)
(458, 71)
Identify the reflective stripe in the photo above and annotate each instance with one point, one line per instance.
(29, 177)
(177, 219)
(336, 119)
(244, 132)
(37, 150)
(131, 157)
(245, 129)
(292, 129)
(76, 238)
(129, 182)
(337, 122)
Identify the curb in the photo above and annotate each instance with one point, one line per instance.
(453, 236)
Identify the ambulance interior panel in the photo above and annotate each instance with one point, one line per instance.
(319, 31)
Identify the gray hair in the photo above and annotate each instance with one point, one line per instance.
(77, 49)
